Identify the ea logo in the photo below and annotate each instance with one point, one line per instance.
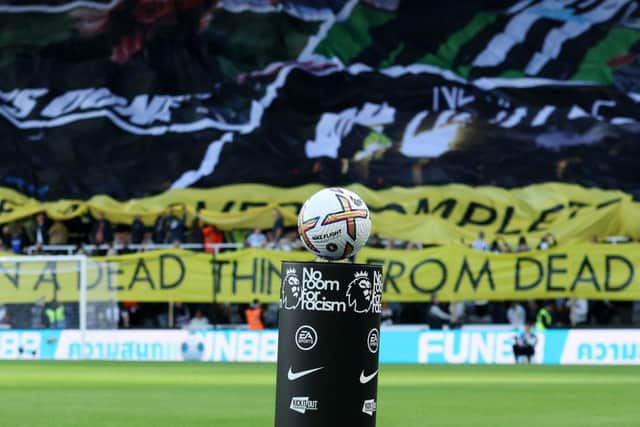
(373, 340)
(306, 338)
(291, 290)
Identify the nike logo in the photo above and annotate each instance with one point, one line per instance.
(296, 375)
(366, 378)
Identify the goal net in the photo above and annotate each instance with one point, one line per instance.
(52, 293)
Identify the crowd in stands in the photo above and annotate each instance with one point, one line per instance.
(98, 236)
(502, 246)
(558, 313)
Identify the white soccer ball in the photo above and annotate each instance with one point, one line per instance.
(192, 347)
(334, 223)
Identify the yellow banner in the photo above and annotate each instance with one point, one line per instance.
(171, 275)
(456, 273)
(428, 214)
(453, 272)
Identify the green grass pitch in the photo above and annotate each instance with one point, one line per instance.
(96, 394)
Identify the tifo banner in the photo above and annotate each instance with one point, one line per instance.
(495, 346)
(455, 273)
(552, 39)
(510, 93)
(428, 214)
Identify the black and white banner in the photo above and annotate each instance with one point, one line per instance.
(413, 126)
(136, 97)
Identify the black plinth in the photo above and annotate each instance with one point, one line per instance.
(329, 334)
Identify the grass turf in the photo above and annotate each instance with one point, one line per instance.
(95, 394)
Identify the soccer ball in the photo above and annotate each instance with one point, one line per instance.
(334, 223)
(193, 347)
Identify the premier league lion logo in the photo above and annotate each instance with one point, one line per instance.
(291, 290)
(360, 292)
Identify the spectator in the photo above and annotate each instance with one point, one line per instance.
(578, 311)
(481, 312)
(498, 312)
(547, 242)
(256, 239)
(295, 240)
(58, 234)
(181, 315)
(18, 240)
(125, 248)
(253, 315)
(524, 347)
(221, 313)
(277, 230)
(388, 244)
(112, 251)
(603, 311)
(55, 315)
(544, 244)
(211, 236)
(137, 230)
(516, 315)
(195, 231)
(160, 315)
(480, 244)
(6, 236)
(386, 315)
(199, 322)
(495, 247)
(177, 226)
(270, 315)
(4, 317)
(436, 316)
(375, 241)
(102, 231)
(108, 315)
(458, 313)
(522, 245)
(159, 229)
(635, 313)
(284, 244)
(544, 319)
(41, 235)
(561, 315)
(531, 309)
(129, 313)
(37, 314)
(504, 246)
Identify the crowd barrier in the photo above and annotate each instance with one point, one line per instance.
(555, 347)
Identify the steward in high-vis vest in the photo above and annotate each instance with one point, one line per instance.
(254, 316)
(55, 315)
(544, 319)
